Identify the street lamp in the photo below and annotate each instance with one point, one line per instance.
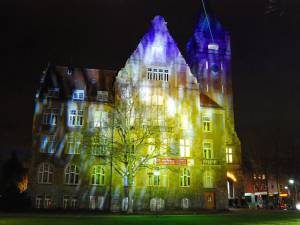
(156, 174)
(295, 193)
(291, 181)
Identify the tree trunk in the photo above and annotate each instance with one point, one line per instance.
(128, 193)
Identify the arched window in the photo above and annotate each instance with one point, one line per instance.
(72, 175)
(185, 179)
(98, 175)
(185, 203)
(45, 173)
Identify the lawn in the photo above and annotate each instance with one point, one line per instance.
(232, 218)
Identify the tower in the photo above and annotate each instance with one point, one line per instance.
(209, 57)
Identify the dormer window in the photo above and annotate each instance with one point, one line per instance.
(158, 74)
(102, 96)
(78, 95)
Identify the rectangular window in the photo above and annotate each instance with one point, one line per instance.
(164, 147)
(78, 95)
(229, 155)
(102, 96)
(185, 179)
(157, 178)
(48, 143)
(206, 123)
(184, 147)
(53, 93)
(100, 118)
(66, 202)
(75, 118)
(74, 203)
(208, 181)
(50, 117)
(151, 146)
(158, 74)
(47, 202)
(99, 146)
(92, 204)
(207, 149)
(38, 201)
(73, 144)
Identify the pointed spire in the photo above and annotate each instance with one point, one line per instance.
(159, 24)
(157, 46)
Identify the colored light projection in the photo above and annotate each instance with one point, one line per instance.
(209, 55)
(156, 122)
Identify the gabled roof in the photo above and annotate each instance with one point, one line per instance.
(67, 79)
(205, 101)
(157, 46)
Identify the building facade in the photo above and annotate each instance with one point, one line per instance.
(191, 158)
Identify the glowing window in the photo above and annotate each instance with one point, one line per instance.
(208, 181)
(78, 95)
(185, 147)
(213, 47)
(98, 175)
(100, 119)
(185, 178)
(48, 143)
(74, 144)
(45, 173)
(229, 155)
(72, 175)
(207, 149)
(50, 117)
(75, 118)
(102, 96)
(206, 123)
(158, 74)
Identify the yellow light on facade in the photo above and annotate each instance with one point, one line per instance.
(231, 176)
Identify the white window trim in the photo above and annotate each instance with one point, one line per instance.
(98, 174)
(72, 173)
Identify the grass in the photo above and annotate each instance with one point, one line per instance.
(233, 218)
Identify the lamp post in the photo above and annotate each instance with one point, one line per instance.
(156, 174)
(295, 194)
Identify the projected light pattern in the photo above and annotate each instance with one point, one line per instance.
(149, 130)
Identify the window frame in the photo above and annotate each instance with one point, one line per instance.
(185, 147)
(185, 177)
(207, 123)
(71, 176)
(98, 175)
(45, 176)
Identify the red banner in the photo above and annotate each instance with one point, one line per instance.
(171, 161)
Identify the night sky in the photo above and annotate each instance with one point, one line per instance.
(103, 33)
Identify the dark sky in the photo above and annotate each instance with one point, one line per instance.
(103, 33)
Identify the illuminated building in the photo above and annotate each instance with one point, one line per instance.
(198, 154)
